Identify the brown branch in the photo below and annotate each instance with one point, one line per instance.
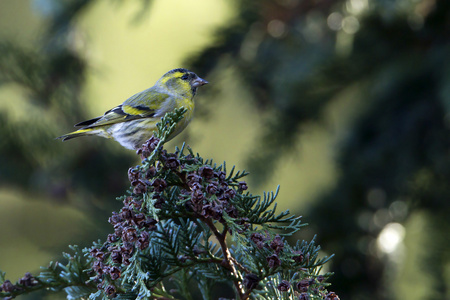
(228, 262)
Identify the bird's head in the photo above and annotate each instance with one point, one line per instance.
(182, 82)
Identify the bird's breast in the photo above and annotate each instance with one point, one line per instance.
(189, 114)
(189, 105)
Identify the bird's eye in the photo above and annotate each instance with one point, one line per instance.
(185, 76)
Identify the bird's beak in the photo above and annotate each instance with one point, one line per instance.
(199, 82)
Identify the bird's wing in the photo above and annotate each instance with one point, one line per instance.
(146, 104)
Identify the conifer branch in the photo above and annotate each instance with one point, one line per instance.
(184, 221)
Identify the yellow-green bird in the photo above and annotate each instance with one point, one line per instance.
(134, 121)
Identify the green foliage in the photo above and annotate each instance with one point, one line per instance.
(300, 60)
(71, 278)
(46, 78)
(395, 64)
(186, 223)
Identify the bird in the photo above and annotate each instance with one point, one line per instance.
(133, 122)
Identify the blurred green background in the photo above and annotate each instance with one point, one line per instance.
(345, 104)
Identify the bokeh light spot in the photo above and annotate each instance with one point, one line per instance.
(391, 237)
(350, 25)
(334, 21)
(398, 210)
(276, 28)
(376, 197)
(357, 6)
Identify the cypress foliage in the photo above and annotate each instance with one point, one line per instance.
(187, 227)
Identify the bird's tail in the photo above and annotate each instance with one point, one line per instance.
(82, 132)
